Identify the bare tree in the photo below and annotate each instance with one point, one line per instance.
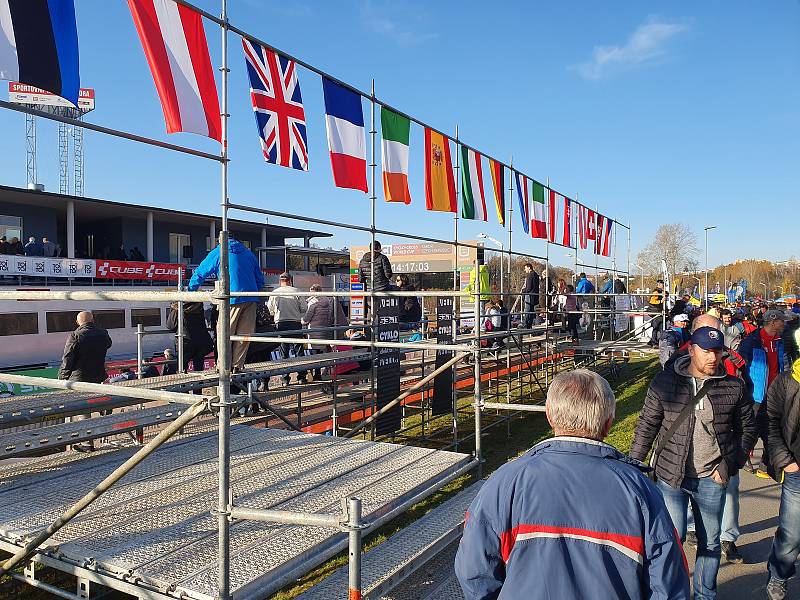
(674, 243)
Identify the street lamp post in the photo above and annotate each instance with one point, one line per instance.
(500, 245)
(765, 290)
(641, 281)
(706, 232)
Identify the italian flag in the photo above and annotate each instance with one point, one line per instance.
(394, 156)
(473, 205)
(538, 224)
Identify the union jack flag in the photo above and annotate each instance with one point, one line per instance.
(278, 106)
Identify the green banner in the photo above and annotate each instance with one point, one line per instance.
(20, 390)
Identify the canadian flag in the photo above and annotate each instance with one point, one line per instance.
(176, 48)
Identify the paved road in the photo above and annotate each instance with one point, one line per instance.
(760, 499)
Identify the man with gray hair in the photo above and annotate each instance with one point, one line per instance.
(573, 517)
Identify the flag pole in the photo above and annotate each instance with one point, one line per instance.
(547, 323)
(224, 345)
(577, 242)
(511, 307)
(510, 226)
(456, 287)
(373, 198)
(456, 283)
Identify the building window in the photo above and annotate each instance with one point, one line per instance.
(19, 324)
(177, 243)
(61, 321)
(11, 227)
(109, 319)
(148, 317)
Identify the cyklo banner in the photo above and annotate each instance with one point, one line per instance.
(40, 266)
(149, 271)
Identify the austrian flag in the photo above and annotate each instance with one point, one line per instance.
(175, 45)
(344, 120)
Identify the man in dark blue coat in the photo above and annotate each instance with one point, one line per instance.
(572, 518)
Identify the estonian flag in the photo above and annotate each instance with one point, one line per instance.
(39, 45)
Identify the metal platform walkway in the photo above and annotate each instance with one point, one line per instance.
(32, 441)
(394, 560)
(153, 535)
(34, 408)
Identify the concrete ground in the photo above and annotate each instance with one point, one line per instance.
(760, 500)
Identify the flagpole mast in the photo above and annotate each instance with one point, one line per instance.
(224, 345)
(577, 197)
(511, 308)
(456, 283)
(597, 239)
(373, 198)
(547, 323)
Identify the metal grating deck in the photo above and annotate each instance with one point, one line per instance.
(397, 558)
(155, 525)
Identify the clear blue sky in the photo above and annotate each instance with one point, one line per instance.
(688, 114)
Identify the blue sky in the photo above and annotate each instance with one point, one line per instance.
(689, 114)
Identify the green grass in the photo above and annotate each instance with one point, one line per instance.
(500, 444)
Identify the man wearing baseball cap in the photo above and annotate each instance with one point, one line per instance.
(703, 420)
(670, 340)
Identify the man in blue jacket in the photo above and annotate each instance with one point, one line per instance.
(572, 518)
(246, 276)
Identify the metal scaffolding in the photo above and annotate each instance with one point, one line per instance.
(504, 370)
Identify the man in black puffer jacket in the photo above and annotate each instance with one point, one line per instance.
(383, 270)
(779, 425)
(85, 352)
(707, 448)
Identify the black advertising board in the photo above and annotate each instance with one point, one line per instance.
(387, 364)
(445, 333)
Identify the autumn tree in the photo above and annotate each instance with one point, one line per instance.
(674, 243)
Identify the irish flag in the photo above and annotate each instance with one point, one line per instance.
(394, 156)
(440, 186)
(538, 223)
(498, 185)
(473, 205)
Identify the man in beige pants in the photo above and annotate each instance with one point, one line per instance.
(246, 276)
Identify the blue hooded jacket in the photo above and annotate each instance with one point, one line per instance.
(756, 373)
(584, 286)
(571, 519)
(246, 275)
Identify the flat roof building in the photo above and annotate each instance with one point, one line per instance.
(103, 229)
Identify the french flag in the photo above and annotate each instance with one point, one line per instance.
(39, 45)
(344, 120)
(176, 48)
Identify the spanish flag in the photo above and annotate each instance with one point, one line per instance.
(440, 187)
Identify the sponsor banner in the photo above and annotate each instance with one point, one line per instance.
(387, 364)
(40, 266)
(445, 334)
(19, 389)
(148, 271)
(357, 287)
(22, 93)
